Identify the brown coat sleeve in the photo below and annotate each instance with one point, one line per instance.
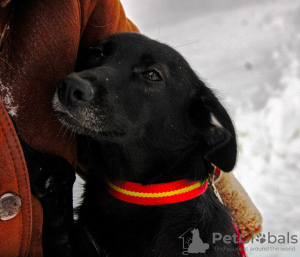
(38, 50)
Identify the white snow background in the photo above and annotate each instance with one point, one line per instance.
(248, 52)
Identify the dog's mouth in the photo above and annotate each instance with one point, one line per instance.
(85, 122)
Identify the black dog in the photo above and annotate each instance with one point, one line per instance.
(145, 117)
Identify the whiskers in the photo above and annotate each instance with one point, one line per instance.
(158, 32)
(6, 62)
(191, 43)
(65, 128)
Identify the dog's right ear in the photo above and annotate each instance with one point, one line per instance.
(216, 126)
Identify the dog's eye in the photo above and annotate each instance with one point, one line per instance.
(152, 75)
(97, 52)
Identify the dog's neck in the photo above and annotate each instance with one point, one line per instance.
(149, 163)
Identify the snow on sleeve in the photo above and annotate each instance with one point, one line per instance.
(8, 100)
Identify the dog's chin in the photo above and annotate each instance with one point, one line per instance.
(101, 133)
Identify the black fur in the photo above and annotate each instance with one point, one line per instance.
(51, 181)
(144, 116)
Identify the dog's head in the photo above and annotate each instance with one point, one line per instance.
(130, 88)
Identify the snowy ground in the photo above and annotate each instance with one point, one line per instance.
(248, 51)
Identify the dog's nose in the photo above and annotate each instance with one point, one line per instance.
(74, 91)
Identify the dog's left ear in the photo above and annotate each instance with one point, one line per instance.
(219, 133)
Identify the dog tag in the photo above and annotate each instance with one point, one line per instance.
(216, 192)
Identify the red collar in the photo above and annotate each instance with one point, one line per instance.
(156, 194)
